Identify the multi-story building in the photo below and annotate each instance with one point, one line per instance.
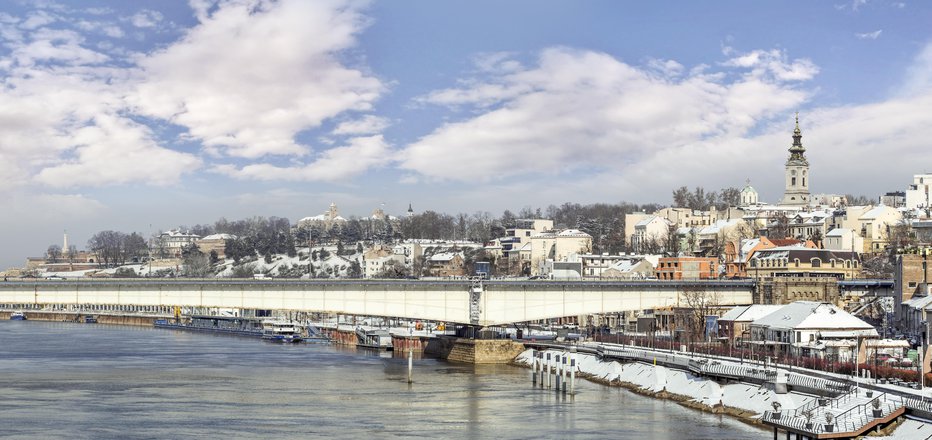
(687, 268)
(917, 194)
(650, 233)
(844, 239)
(795, 261)
(172, 243)
(735, 325)
(811, 329)
(215, 243)
(446, 264)
(557, 247)
(875, 225)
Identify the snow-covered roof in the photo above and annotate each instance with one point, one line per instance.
(716, 227)
(812, 315)
(918, 302)
(177, 233)
(748, 245)
(220, 237)
(443, 256)
(749, 313)
(801, 252)
(837, 232)
(646, 221)
(573, 233)
(877, 211)
(322, 218)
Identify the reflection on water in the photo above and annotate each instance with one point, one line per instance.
(98, 381)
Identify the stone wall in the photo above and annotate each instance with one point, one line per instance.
(784, 290)
(485, 351)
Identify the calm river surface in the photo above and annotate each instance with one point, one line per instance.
(63, 380)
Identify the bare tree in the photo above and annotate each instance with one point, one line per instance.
(780, 227)
(196, 264)
(698, 303)
(53, 254)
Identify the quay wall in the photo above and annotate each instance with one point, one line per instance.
(118, 319)
(417, 344)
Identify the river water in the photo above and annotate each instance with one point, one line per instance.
(62, 380)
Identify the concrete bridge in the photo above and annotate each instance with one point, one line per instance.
(458, 301)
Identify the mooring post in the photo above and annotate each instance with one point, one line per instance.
(557, 372)
(549, 377)
(563, 370)
(573, 371)
(410, 364)
(533, 367)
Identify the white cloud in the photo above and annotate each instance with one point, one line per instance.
(869, 35)
(578, 109)
(623, 133)
(62, 110)
(774, 64)
(146, 18)
(253, 74)
(117, 151)
(369, 124)
(919, 75)
(37, 19)
(333, 165)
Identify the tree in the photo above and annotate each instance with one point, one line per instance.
(780, 227)
(671, 243)
(244, 270)
(196, 264)
(699, 303)
(728, 197)
(393, 269)
(108, 246)
(53, 253)
(355, 270)
(72, 253)
(134, 248)
(681, 197)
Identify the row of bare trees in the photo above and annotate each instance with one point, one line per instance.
(114, 248)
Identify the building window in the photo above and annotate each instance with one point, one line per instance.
(793, 181)
(815, 262)
(804, 181)
(912, 284)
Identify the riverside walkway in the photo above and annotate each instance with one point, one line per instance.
(847, 406)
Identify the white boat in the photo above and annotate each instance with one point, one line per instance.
(278, 331)
(17, 316)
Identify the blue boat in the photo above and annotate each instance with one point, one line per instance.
(17, 316)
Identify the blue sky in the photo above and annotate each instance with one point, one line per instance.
(122, 115)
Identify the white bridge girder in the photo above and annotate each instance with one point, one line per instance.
(500, 302)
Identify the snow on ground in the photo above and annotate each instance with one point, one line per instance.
(910, 430)
(655, 378)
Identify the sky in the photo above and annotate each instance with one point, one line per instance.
(145, 116)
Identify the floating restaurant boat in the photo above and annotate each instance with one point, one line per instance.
(278, 331)
(90, 319)
(17, 316)
(376, 339)
(226, 325)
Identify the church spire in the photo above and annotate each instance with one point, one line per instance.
(797, 151)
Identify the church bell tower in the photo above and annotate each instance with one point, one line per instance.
(797, 172)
